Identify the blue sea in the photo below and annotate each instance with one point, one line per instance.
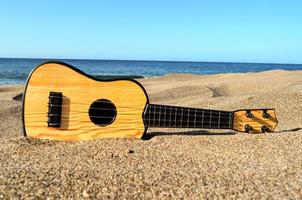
(16, 70)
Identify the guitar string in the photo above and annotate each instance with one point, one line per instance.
(155, 113)
(168, 106)
(111, 103)
(145, 119)
(135, 122)
(124, 113)
(79, 120)
(157, 105)
(226, 116)
(188, 116)
(149, 105)
(128, 121)
(157, 120)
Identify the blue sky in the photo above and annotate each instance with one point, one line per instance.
(238, 31)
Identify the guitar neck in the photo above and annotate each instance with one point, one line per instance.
(184, 117)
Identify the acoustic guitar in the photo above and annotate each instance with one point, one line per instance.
(61, 102)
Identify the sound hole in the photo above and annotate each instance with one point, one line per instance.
(102, 112)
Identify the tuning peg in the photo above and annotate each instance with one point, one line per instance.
(265, 114)
(264, 129)
(248, 128)
(249, 114)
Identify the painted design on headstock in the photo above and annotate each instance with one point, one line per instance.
(255, 120)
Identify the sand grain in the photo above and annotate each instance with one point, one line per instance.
(191, 164)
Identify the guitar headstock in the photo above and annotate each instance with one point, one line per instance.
(255, 120)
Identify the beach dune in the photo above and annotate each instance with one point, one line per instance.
(174, 163)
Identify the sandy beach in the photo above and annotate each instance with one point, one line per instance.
(174, 163)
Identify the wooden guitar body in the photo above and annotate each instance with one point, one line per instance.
(62, 103)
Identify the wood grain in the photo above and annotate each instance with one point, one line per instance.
(79, 92)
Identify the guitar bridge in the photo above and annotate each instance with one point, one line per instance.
(54, 109)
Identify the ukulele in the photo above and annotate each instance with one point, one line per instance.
(61, 102)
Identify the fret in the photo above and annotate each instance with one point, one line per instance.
(210, 123)
(148, 114)
(154, 112)
(184, 117)
(188, 118)
(198, 118)
(178, 118)
(159, 115)
(195, 112)
(170, 117)
(223, 119)
(175, 117)
(165, 119)
(182, 111)
(191, 118)
(230, 120)
(218, 119)
(202, 125)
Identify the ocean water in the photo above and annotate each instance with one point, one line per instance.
(16, 70)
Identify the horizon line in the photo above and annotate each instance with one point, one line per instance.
(142, 60)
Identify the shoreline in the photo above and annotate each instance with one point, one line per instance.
(109, 77)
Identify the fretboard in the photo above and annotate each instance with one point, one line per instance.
(183, 117)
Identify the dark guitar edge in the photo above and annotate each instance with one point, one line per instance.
(86, 75)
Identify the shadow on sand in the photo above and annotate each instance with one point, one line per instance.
(290, 130)
(150, 135)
